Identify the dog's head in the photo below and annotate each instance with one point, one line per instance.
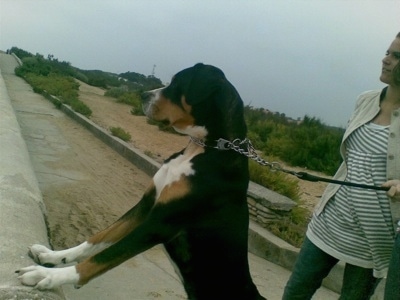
(199, 102)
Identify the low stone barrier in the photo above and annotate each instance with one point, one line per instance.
(266, 206)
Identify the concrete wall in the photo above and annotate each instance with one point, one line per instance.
(22, 212)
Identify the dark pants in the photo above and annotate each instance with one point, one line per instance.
(313, 265)
(392, 289)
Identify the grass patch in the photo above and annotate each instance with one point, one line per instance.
(163, 126)
(120, 133)
(150, 154)
(276, 181)
(46, 81)
(122, 95)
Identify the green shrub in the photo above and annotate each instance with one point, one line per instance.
(137, 111)
(20, 52)
(115, 92)
(276, 181)
(120, 133)
(162, 126)
(82, 77)
(54, 84)
(64, 88)
(79, 107)
(308, 143)
(124, 96)
(130, 98)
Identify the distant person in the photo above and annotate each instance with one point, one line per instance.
(357, 226)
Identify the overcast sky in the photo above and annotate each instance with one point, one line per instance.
(296, 57)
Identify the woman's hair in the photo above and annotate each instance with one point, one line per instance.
(396, 70)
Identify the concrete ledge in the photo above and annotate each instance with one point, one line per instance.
(269, 198)
(266, 245)
(22, 211)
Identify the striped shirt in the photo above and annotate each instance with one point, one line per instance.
(356, 224)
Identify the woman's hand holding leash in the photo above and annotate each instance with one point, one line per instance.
(394, 191)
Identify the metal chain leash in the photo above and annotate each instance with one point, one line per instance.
(245, 147)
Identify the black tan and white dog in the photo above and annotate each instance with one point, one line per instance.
(195, 206)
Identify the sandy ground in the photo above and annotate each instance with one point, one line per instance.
(158, 144)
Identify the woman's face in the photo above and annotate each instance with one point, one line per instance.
(390, 61)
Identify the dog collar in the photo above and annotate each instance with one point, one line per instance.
(220, 144)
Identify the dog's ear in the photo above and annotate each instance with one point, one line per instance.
(205, 81)
(209, 83)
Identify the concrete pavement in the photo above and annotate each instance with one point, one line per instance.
(147, 276)
(21, 207)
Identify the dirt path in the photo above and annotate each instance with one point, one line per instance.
(80, 195)
(159, 145)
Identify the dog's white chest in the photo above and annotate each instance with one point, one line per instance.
(172, 171)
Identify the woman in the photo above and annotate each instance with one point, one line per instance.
(357, 226)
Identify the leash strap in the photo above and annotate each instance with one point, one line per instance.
(308, 177)
(245, 148)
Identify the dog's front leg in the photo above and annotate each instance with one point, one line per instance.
(155, 229)
(45, 278)
(49, 258)
(42, 277)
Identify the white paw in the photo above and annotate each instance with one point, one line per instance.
(44, 256)
(44, 278)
